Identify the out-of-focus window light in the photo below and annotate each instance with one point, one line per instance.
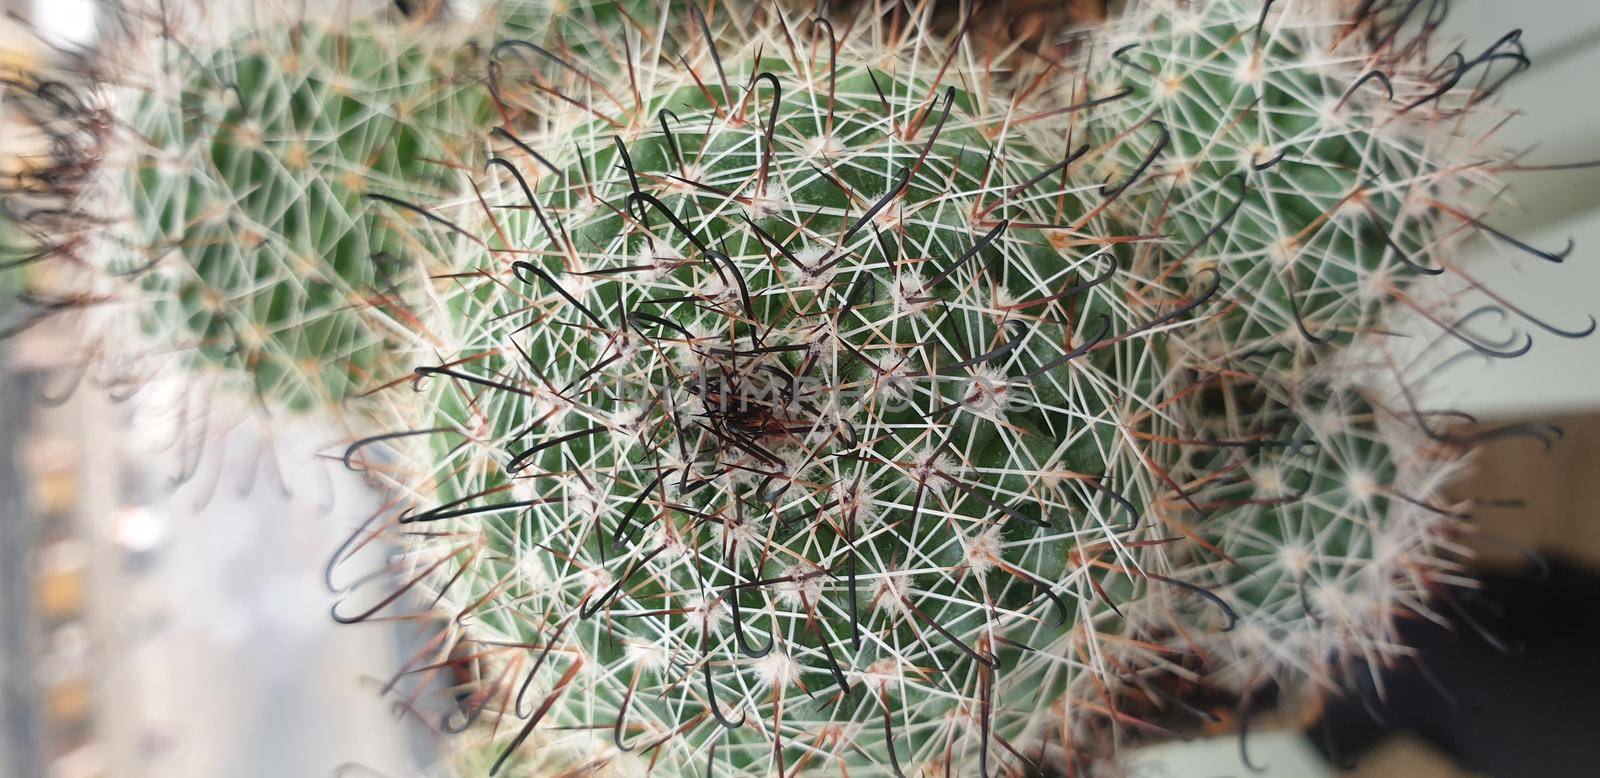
(67, 22)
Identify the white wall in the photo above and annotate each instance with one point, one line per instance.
(1560, 97)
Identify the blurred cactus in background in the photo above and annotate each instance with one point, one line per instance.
(1327, 164)
(220, 205)
(256, 162)
(806, 393)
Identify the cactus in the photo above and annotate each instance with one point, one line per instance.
(1317, 161)
(1282, 160)
(802, 425)
(257, 170)
(228, 218)
(577, 31)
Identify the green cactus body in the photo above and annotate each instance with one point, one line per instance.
(820, 341)
(1327, 536)
(567, 63)
(589, 32)
(1316, 162)
(1272, 163)
(253, 163)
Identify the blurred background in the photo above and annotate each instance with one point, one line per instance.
(153, 630)
(150, 630)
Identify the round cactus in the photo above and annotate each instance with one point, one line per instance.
(798, 428)
(1315, 161)
(223, 210)
(1305, 201)
(254, 166)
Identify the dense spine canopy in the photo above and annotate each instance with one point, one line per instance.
(797, 420)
